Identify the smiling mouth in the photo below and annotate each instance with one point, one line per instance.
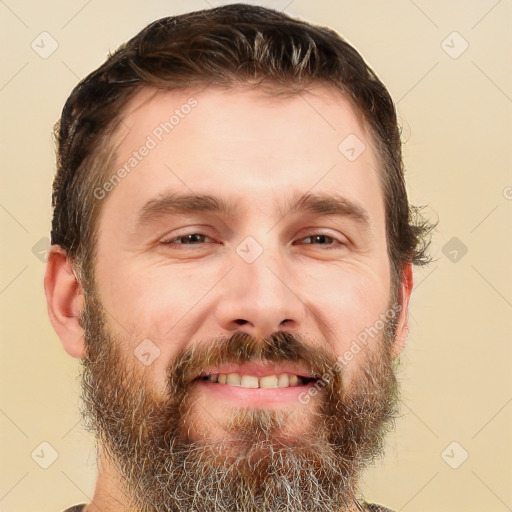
(270, 381)
(257, 385)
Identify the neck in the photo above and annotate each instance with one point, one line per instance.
(109, 494)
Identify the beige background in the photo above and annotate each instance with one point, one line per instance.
(457, 119)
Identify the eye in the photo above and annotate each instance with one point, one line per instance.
(198, 239)
(187, 239)
(320, 239)
(323, 240)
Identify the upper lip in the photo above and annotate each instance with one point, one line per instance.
(258, 370)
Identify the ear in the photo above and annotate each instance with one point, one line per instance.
(402, 330)
(64, 299)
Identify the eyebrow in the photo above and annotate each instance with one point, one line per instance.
(183, 203)
(316, 203)
(328, 204)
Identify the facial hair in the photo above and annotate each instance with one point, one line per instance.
(255, 466)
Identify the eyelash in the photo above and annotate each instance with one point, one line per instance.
(174, 245)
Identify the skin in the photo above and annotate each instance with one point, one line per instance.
(259, 154)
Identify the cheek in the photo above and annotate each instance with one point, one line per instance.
(346, 303)
(171, 297)
(161, 304)
(149, 299)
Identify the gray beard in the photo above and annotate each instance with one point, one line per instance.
(255, 467)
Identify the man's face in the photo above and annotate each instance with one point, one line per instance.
(189, 291)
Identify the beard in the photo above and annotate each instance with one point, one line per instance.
(168, 462)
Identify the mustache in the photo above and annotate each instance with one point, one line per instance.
(242, 347)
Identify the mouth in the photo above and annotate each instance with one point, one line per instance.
(256, 384)
(281, 380)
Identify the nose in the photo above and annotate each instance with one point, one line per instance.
(260, 298)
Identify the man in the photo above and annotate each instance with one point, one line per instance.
(232, 251)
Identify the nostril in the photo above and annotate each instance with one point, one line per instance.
(240, 321)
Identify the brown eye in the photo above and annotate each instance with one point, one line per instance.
(320, 239)
(323, 241)
(188, 239)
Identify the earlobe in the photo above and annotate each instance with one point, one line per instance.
(402, 331)
(64, 300)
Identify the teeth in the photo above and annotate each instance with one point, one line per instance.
(268, 382)
(234, 379)
(282, 380)
(249, 381)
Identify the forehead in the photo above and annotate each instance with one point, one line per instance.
(317, 109)
(242, 144)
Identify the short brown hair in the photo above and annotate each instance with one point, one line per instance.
(228, 46)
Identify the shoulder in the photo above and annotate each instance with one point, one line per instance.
(372, 507)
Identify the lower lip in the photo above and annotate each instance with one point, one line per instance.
(256, 397)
